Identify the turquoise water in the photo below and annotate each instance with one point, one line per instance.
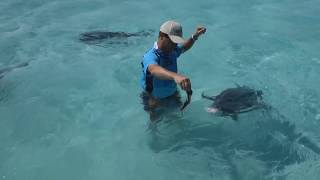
(74, 112)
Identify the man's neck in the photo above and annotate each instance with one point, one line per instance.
(161, 48)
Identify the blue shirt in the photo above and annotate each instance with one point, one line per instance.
(159, 88)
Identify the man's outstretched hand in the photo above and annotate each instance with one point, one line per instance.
(199, 31)
(183, 81)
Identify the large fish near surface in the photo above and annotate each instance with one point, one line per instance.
(233, 101)
(5, 70)
(96, 37)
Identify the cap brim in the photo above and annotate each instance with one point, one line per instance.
(177, 39)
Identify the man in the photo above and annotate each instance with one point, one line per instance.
(159, 68)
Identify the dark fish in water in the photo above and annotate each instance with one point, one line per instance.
(189, 94)
(10, 68)
(233, 101)
(95, 37)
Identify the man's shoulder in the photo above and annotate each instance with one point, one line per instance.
(150, 54)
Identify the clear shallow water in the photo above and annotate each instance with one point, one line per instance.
(75, 112)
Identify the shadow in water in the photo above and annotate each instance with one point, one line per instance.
(107, 38)
(264, 137)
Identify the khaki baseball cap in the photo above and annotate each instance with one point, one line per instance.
(173, 30)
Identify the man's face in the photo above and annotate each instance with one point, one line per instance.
(168, 44)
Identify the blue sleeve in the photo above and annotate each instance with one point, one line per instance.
(149, 58)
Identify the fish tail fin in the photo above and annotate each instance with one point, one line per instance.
(10, 68)
(21, 65)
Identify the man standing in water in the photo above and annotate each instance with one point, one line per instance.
(159, 68)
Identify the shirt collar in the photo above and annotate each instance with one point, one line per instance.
(155, 46)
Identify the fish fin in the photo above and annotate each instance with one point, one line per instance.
(208, 97)
(260, 106)
(238, 85)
